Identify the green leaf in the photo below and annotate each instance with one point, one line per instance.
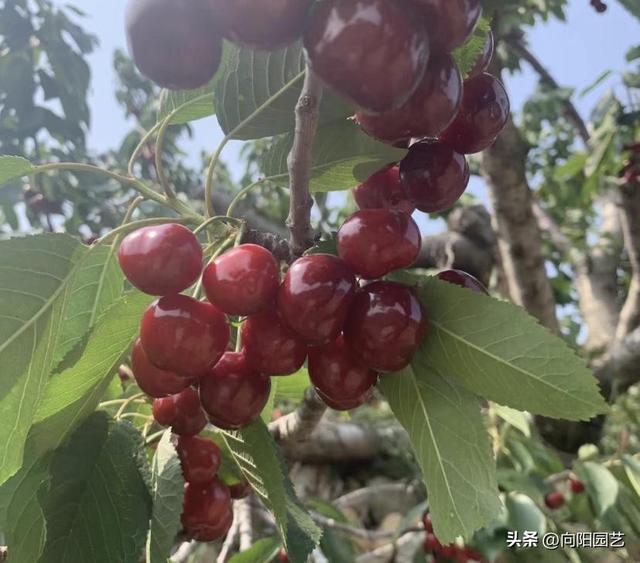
(601, 78)
(98, 506)
(524, 514)
(451, 444)
(343, 157)
(515, 418)
(632, 6)
(570, 169)
(467, 55)
(167, 491)
(292, 387)
(255, 452)
(13, 167)
(184, 106)
(263, 551)
(601, 486)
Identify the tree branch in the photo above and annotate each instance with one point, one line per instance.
(299, 425)
(630, 315)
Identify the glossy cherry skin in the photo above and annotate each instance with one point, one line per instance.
(206, 510)
(161, 260)
(200, 459)
(182, 412)
(175, 44)
(183, 335)
(240, 490)
(315, 297)
(261, 24)
(234, 394)
(349, 44)
(482, 116)
(242, 281)
(339, 376)
(429, 111)
(458, 277)
(554, 500)
(434, 175)
(576, 485)
(485, 57)
(272, 348)
(383, 190)
(449, 23)
(374, 242)
(386, 324)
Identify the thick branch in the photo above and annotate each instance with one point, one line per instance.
(273, 242)
(298, 426)
(630, 315)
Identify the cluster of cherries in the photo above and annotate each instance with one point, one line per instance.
(556, 499)
(453, 552)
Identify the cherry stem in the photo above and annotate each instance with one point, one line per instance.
(143, 142)
(243, 192)
(162, 177)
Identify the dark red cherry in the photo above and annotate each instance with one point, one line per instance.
(429, 111)
(234, 394)
(371, 51)
(431, 543)
(449, 23)
(182, 412)
(315, 297)
(183, 335)
(576, 485)
(374, 242)
(339, 376)
(458, 277)
(199, 457)
(261, 24)
(554, 500)
(272, 348)
(482, 116)
(206, 510)
(484, 58)
(161, 260)
(386, 324)
(175, 44)
(383, 190)
(242, 281)
(282, 556)
(240, 490)
(153, 381)
(434, 175)
(427, 522)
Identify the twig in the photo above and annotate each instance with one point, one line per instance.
(232, 537)
(365, 495)
(273, 242)
(298, 426)
(403, 549)
(361, 533)
(245, 523)
(183, 552)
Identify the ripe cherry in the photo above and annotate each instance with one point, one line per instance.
(175, 44)
(385, 326)
(240, 490)
(183, 335)
(153, 381)
(374, 242)
(200, 459)
(458, 277)
(554, 500)
(482, 116)
(428, 112)
(349, 42)
(206, 511)
(383, 190)
(242, 281)
(233, 394)
(182, 412)
(576, 485)
(431, 543)
(427, 522)
(484, 58)
(282, 556)
(315, 297)
(161, 260)
(434, 175)
(449, 24)
(339, 377)
(272, 348)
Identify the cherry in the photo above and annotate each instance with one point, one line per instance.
(242, 281)
(183, 335)
(385, 326)
(472, 554)
(175, 44)
(428, 523)
(339, 377)
(155, 382)
(458, 277)
(262, 24)
(434, 175)
(484, 58)
(482, 116)
(373, 242)
(431, 543)
(182, 412)
(383, 190)
(282, 556)
(576, 485)
(240, 490)
(200, 459)
(161, 260)
(429, 111)
(554, 500)
(448, 551)
(449, 24)
(233, 394)
(350, 42)
(206, 510)
(272, 348)
(315, 297)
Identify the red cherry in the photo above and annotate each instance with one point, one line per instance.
(554, 500)
(576, 485)
(282, 556)
(339, 377)
(233, 394)
(240, 490)
(449, 24)
(200, 459)
(182, 412)
(374, 242)
(431, 543)
(161, 260)
(315, 297)
(484, 58)
(385, 326)
(472, 554)
(448, 551)
(272, 348)
(384, 190)
(458, 277)
(434, 175)
(428, 523)
(206, 511)
(183, 335)
(483, 115)
(428, 112)
(153, 381)
(243, 281)
(349, 42)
